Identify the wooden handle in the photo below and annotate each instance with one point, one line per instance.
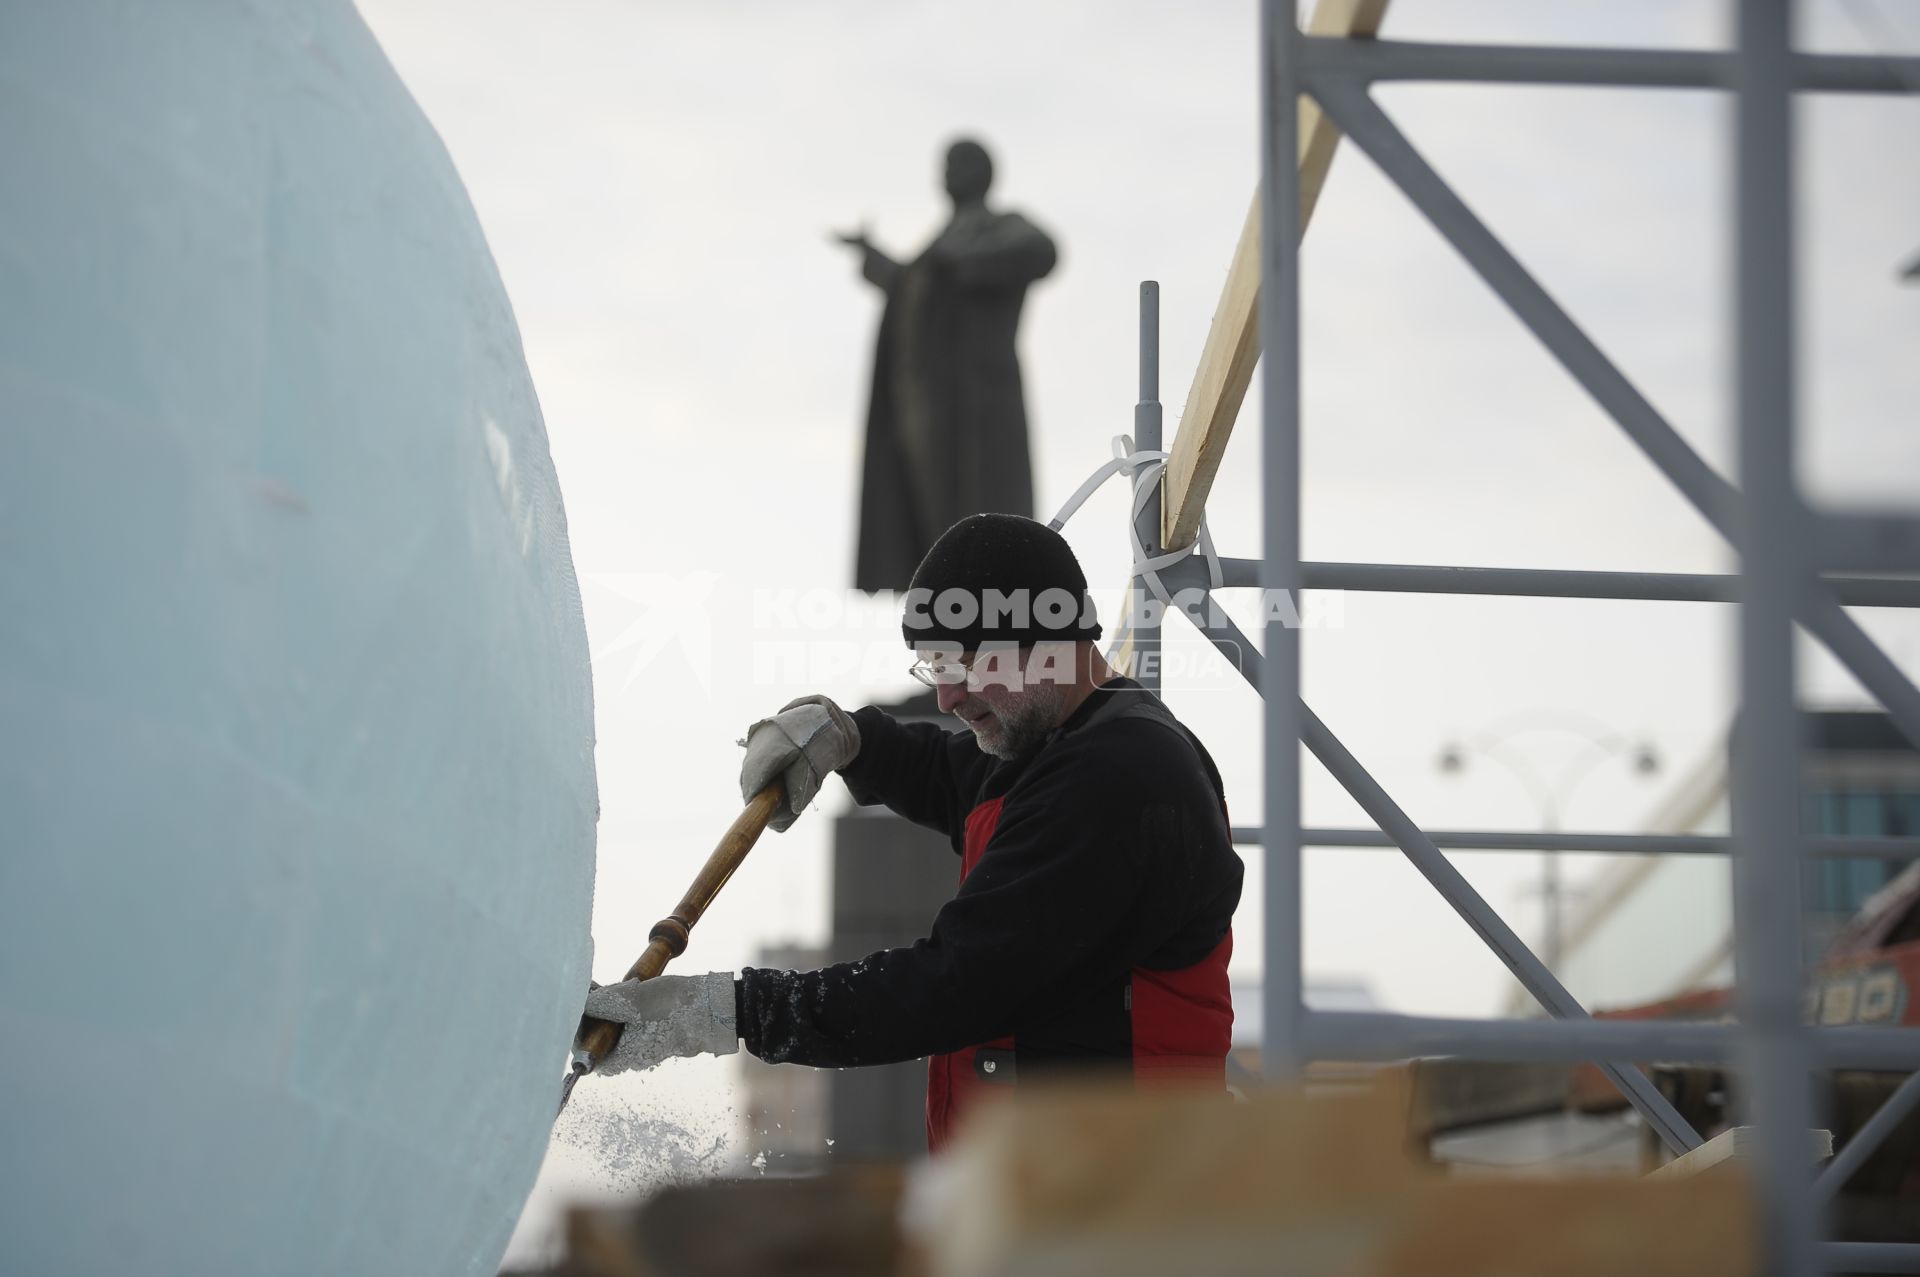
(668, 939)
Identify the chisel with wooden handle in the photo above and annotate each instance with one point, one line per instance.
(668, 939)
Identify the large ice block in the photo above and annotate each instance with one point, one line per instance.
(296, 777)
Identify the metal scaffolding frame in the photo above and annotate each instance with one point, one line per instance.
(1792, 558)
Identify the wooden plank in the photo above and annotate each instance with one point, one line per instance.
(1131, 1184)
(1233, 342)
(843, 1222)
(1735, 1147)
(1233, 345)
(1219, 386)
(1453, 1094)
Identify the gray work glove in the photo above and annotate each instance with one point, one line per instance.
(667, 1017)
(801, 744)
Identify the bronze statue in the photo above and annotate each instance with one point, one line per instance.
(947, 424)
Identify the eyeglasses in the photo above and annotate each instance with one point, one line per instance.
(941, 673)
(984, 665)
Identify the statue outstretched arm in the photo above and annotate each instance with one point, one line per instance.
(880, 270)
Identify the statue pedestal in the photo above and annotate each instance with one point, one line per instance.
(890, 877)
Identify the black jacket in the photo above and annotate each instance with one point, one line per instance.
(1111, 852)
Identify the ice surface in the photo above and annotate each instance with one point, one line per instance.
(296, 779)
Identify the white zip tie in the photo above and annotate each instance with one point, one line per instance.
(1124, 458)
(1145, 567)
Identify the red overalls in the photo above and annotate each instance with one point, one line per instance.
(1182, 1021)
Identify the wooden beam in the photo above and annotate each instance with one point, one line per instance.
(1144, 1183)
(1233, 342)
(1734, 1146)
(1453, 1094)
(843, 1222)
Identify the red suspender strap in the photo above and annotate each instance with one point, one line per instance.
(951, 1080)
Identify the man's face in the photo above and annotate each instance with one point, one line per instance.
(1010, 699)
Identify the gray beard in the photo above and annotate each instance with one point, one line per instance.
(1026, 730)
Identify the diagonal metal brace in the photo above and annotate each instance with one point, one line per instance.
(1717, 500)
(1454, 888)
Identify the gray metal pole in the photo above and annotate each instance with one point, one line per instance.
(1554, 583)
(1453, 888)
(1859, 846)
(1827, 621)
(1362, 120)
(1373, 1035)
(1282, 1000)
(1872, 1257)
(1369, 128)
(1770, 527)
(1892, 1111)
(1366, 61)
(1146, 438)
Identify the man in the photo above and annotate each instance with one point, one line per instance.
(947, 423)
(1098, 877)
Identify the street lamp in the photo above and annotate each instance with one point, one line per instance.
(1550, 790)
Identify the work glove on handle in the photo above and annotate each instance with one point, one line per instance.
(667, 1017)
(801, 744)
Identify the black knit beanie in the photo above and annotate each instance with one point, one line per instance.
(998, 578)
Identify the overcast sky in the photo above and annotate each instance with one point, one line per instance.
(658, 182)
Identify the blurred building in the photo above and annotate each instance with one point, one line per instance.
(1652, 928)
(1655, 941)
(1863, 778)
